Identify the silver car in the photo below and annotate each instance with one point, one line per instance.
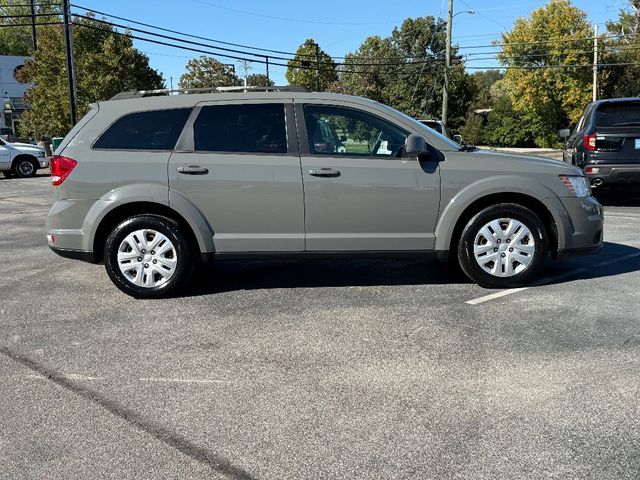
(152, 185)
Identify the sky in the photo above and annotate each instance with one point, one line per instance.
(338, 26)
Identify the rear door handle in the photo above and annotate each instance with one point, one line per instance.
(324, 172)
(193, 170)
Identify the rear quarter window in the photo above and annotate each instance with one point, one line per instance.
(151, 130)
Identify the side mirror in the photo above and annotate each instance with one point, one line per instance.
(564, 133)
(415, 145)
(458, 139)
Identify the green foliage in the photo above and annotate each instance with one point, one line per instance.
(624, 47)
(207, 72)
(18, 40)
(484, 80)
(259, 80)
(473, 129)
(406, 71)
(105, 64)
(506, 127)
(302, 70)
(549, 98)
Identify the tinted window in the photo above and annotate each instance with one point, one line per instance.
(153, 130)
(345, 131)
(618, 114)
(435, 125)
(241, 128)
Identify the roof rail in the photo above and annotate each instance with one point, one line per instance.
(168, 91)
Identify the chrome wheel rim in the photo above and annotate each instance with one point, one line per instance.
(504, 247)
(26, 168)
(147, 258)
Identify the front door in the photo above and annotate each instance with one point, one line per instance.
(361, 192)
(241, 169)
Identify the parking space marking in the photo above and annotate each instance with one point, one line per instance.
(179, 380)
(546, 280)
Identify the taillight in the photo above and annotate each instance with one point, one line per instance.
(589, 141)
(61, 167)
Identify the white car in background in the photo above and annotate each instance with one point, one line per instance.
(21, 159)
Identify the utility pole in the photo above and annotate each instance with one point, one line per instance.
(317, 66)
(245, 69)
(595, 62)
(447, 67)
(33, 25)
(266, 61)
(68, 41)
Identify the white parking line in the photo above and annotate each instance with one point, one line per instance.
(179, 380)
(545, 280)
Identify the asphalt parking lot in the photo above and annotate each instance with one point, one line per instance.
(333, 369)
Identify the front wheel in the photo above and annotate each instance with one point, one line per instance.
(148, 256)
(25, 168)
(503, 246)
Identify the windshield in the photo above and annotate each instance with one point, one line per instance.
(453, 145)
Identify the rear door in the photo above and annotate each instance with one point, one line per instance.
(617, 126)
(361, 193)
(238, 163)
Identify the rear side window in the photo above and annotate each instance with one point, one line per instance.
(249, 128)
(618, 114)
(152, 130)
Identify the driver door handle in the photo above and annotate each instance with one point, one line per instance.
(193, 170)
(324, 172)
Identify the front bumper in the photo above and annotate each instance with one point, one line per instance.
(613, 174)
(584, 230)
(44, 162)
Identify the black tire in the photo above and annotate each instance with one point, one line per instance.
(24, 167)
(7, 173)
(183, 254)
(474, 271)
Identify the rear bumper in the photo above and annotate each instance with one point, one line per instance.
(584, 231)
(613, 173)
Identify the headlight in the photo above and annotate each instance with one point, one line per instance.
(41, 153)
(577, 184)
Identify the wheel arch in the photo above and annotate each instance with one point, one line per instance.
(197, 238)
(27, 156)
(449, 232)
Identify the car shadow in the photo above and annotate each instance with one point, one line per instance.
(37, 175)
(225, 276)
(618, 197)
(614, 259)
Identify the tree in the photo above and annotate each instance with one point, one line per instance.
(105, 64)
(304, 70)
(540, 53)
(259, 80)
(17, 40)
(207, 72)
(472, 130)
(624, 48)
(484, 81)
(406, 71)
(506, 127)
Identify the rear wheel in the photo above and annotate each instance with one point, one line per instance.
(24, 167)
(148, 256)
(503, 246)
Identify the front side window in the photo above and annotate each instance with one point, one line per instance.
(345, 131)
(258, 128)
(152, 130)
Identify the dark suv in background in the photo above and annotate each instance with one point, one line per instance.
(606, 142)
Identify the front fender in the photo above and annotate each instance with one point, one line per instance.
(456, 205)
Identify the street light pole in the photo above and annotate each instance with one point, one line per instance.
(68, 41)
(447, 67)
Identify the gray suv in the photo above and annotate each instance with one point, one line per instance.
(151, 185)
